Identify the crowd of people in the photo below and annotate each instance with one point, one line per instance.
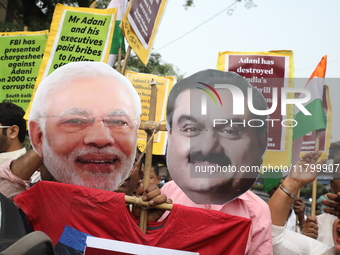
(83, 128)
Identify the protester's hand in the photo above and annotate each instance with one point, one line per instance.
(304, 171)
(153, 196)
(310, 228)
(299, 209)
(334, 204)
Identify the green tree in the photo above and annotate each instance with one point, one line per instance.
(155, 66)
(35, 14)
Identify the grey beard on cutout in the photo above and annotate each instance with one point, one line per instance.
(61, 168)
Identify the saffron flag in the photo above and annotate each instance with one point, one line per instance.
(317, 120)
(118, 37)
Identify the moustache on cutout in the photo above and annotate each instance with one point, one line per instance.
(218, 158)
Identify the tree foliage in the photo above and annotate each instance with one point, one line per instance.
(35, 14)
(155, 66)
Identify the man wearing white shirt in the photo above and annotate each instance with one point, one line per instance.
(12, 131)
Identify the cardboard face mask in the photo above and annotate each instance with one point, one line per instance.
(87, 130)
(213, 155)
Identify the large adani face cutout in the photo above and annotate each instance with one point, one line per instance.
(212, 154)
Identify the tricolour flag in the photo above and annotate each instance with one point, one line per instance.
(317, 120)
(305, 123)
(118, 37)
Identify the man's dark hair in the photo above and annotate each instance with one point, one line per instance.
(212, 77)
(157, 160)
(138, 158)
(12, 114)
(156, 169)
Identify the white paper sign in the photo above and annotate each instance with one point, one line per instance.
(95, 246)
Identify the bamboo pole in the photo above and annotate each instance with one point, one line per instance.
(127, 55)
(297, 220)
(151, 126)
(140, 202)
(148, 154)
(93, 4)
(317, 142)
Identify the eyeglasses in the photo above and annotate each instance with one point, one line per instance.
(5, 126)
(116, 123)
(193, 130)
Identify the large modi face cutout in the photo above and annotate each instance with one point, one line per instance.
(209, 147)
(87, 133)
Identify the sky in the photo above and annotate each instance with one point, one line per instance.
(191, 39)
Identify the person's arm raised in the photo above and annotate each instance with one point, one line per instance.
(283, 198)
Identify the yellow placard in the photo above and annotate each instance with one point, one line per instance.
(140, 25)
(141, 82)
(21, 54)
(76, 34)
(266, 70)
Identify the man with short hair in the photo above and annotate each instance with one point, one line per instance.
(196, 144)
(12, 131)
(155, 177)
(12, 137)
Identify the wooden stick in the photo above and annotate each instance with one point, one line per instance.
(138, 201)
(148, 154)
(93, 4)
(314, 186)
(297, 220)
(152, 125)
(127, 55)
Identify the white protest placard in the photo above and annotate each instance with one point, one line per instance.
(95, 246)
